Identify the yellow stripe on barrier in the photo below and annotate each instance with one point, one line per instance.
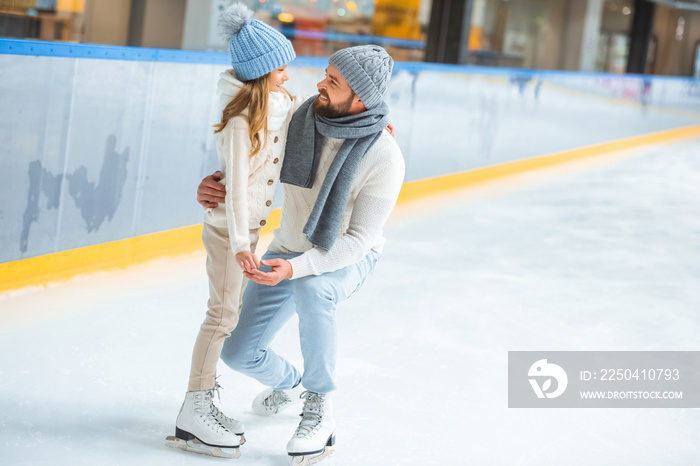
(416, 189)
(62, 265)
(130, 251)
(120, 254)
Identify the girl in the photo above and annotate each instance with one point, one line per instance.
(250, 144)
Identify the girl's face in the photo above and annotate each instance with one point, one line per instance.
(277, 78)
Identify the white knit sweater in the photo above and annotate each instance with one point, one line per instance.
(250, 182)
(372, 197)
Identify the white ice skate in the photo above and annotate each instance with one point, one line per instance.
(316, 432)
(198, 430)
(230, 423)
(271, 402)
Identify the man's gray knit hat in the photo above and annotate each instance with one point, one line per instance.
(255, 48)
(367, 69)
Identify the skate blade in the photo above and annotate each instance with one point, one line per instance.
(195, 446)
(308, 460)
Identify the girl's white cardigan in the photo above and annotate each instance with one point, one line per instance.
(250, 182)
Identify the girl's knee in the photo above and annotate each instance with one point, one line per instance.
(234, 355)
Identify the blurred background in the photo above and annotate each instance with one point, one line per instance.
(660, 37)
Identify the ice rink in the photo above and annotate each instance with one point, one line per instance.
(601, 254)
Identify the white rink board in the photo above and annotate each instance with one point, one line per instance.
(97, 150)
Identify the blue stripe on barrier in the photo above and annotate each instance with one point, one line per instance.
(113, 52)
(310, 62)
(417, 67)
(109, 52)
(357, 39)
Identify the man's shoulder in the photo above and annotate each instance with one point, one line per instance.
(384, 164)
(385, 150)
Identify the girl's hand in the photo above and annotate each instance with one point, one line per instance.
(281, 270)
(390, 128)
(248, 261)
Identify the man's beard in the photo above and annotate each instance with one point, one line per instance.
(326, 109)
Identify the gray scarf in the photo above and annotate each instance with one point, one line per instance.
(305, 137)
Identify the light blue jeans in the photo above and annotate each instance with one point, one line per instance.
(266, 309)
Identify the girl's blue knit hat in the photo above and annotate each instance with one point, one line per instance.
(255, 48)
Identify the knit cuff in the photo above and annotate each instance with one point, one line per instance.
(243, 247)
(301, 267)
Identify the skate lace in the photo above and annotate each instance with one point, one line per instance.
(206, 408)
(215, 411)
(217, 388)
(276, 399)
(311, 415)
(219, 415)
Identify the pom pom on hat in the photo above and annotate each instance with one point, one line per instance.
(233, 19)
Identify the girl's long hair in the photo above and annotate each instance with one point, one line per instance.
(254, 95)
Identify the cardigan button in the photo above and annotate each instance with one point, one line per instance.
(262, 223)
(276, 160)
(276, 139)
(268, 203)
(270, 182)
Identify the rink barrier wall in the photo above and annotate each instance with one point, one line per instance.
(42, 270)
(418, 189)
(105, 144)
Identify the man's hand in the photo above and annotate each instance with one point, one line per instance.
(281, 270)
(248, 261)
(210, 192)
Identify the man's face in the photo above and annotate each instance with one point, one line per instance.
(336, 99)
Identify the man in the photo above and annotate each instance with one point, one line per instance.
(342, 174)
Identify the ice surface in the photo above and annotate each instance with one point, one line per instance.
(601, 255)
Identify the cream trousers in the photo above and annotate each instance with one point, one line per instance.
(226, 285)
